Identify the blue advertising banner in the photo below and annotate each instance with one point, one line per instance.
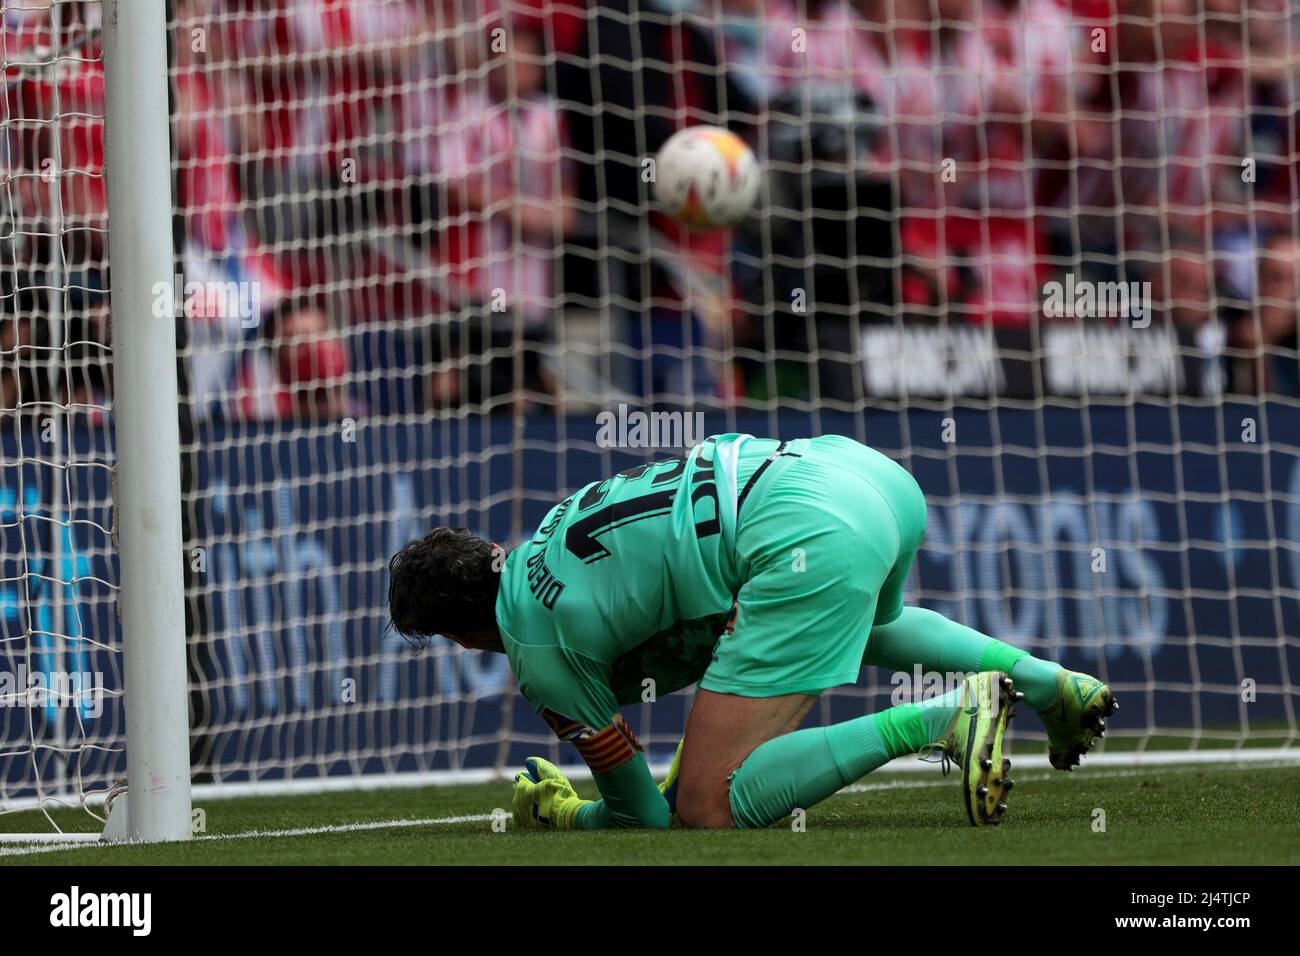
(1159, 545)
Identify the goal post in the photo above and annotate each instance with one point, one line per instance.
(147, 487)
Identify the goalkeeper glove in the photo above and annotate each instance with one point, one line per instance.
(544, 797)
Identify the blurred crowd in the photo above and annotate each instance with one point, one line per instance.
(431, 203)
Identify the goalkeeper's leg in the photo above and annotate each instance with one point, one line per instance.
(820, 536)
(742, 767)
(1074, 706)
(900, 638)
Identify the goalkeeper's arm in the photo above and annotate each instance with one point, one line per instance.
(629, 795)
(545, 798)
(630, 798)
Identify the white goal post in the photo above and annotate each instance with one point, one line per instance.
(147, 477)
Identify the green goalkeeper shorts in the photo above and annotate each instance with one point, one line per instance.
(827, 530)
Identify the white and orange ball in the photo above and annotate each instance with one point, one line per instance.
(706, 177)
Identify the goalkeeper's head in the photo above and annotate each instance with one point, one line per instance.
(446, 583)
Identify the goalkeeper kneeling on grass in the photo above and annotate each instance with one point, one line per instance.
(766, 572)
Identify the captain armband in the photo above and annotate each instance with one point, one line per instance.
(603, 749)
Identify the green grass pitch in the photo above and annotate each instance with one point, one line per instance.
(1198, 814)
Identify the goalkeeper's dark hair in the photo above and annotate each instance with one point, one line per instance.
(443, 583)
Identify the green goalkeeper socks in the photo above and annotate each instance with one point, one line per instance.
(807, 766)
(925, 637)
(1036, 679)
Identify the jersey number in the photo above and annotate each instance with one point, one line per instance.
(581, 538)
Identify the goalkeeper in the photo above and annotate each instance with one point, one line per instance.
(766, 572)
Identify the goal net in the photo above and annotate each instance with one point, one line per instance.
(1042, 252)
(61, 715)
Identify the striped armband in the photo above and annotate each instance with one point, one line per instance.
(603, 750)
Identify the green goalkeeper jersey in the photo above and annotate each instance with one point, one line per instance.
(622, 592)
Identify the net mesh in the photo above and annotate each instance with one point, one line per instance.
(61, 727)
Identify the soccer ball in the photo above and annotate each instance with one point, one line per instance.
(706, 177)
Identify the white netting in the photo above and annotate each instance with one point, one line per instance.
(1044, 252)
(61, 724)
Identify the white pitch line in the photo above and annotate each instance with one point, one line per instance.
(484, 817)
(253, 834)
